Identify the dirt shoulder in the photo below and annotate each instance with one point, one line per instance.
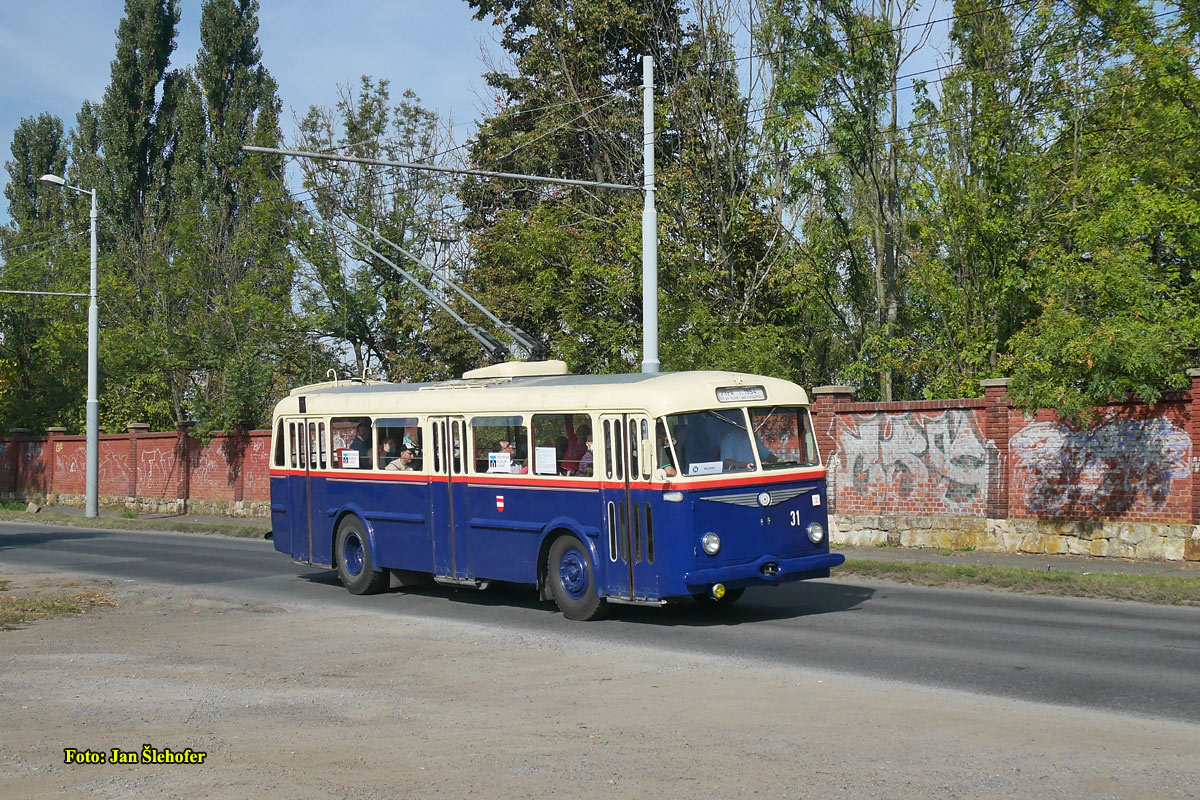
(300, 700)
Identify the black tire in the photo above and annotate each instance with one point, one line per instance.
(355, 566)
(731, 597)
(572, 578)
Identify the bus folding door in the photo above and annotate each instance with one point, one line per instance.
(447, 497)
(299, 491)
(628, 517)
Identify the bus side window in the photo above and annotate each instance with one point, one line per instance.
(279, 444)
(647, 450)
(608, 454)
(351, 448)
(633, 449)
(438, 427)
(321, 443)
(619, 467)
(312, 445)
(549, 439)
(294, 443)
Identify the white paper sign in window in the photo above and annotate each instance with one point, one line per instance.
(545, 460)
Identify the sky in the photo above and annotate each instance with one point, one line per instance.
(54, 54)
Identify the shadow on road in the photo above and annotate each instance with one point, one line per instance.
(758, 605)
(36, 537)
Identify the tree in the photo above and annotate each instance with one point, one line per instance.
(837, 64)
(42, 339)
(1113, 264)
(356, 305)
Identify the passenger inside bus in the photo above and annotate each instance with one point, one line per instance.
(361, 444)
(665, 459)
(403, 463)
(389, 453)
(586, 463)
(576, 444)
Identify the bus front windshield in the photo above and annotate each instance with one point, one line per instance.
(784, 437)
(719, 441)
(709, 443)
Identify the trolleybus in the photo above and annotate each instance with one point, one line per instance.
(595, 490)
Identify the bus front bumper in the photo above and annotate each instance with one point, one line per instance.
(767, 570)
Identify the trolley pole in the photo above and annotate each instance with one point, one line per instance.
(649, 226)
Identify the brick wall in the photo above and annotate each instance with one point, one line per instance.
(979, 473)
(166, 472)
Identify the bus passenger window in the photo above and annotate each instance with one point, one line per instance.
(560, 443)
(633, 450)
(351, 442)
(321, 443)
(501, 445)
(312, 445)
(608, 450)
(279, 444)
(295, 443)
(439, 429)
(399, 444)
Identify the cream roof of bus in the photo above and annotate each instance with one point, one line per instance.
(657, 393)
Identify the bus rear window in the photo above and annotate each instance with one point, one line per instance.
(784, 437)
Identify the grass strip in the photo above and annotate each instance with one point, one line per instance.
(16, 611)
(1157, 589)
(166, 524)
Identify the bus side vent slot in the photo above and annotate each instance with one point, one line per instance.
(649, 536)
(636, 521)
(622, 532)
(612, 531)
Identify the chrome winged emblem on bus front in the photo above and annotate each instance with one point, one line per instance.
(751, 498)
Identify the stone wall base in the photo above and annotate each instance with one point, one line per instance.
(1154, 541)
(240, 509)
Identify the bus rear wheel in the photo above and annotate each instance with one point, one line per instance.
(572, 579)
(355, 567)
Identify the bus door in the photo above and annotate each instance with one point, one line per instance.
(299, 491)
(631, 573)
(447, 497)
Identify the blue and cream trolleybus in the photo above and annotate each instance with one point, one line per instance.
(595, 489)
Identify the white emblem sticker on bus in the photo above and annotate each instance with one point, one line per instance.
(705, 468)
(816, 499)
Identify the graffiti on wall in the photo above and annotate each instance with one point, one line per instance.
(890, 456)
(112, 466)
(1107, 469)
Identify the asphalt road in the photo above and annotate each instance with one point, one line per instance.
(1126, 657)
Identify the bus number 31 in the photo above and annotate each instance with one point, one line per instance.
(795, 518)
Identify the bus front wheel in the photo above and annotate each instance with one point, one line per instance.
(572, 578)
(355, 566)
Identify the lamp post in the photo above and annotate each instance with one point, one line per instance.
(93, 405)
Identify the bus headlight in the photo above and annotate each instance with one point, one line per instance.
(816, 532)
(711, 543)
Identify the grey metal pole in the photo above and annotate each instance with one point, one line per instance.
(649, 227)
(93, 405)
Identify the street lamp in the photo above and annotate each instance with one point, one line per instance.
(93, 405)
